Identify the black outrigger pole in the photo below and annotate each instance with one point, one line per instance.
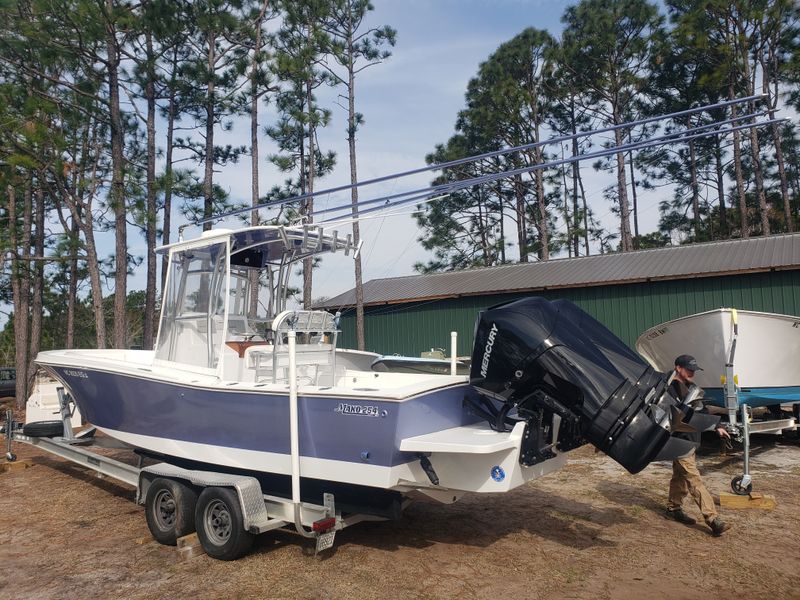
(424, 192)
(446, 188)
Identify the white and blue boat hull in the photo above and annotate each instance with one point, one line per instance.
(368, 440)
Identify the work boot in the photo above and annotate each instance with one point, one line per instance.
(718, 527)
(681, 517)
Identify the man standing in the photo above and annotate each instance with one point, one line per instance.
(685, 476)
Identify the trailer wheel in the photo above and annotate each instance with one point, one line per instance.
(169, 510)
(43, 429)
(220, 524)
(738, 488)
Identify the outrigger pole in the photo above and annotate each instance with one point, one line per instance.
(423, 193)
(469, 159)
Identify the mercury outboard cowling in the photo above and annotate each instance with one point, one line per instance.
(536, 358)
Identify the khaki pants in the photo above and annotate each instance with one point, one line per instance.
(686, 480)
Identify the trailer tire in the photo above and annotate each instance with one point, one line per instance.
(43, 429)
(169, 510)
(220, 524)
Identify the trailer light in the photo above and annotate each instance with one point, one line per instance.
(324, 524)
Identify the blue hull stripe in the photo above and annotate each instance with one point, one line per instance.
(756, 396)
(330, 428)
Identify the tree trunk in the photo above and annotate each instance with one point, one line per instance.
(695, 190)
(585, 212)
(575, 212)
(308, 263)
(72, 293)
(165, 237)
(787, 204)
(20, 244)
(82, 215)
(254, 156)
(351, 144)
(483, 229)
(772, 100)
(635, 201)
(519, 192)
(150, 213)
(502, 219)
(755, 151)
(117, 189)
(624, 211)
(762, 198)
(723, 211)
(38, 286)
(74, 232)
(567, 217)
(737, 164)
(93, 266)
(208, 176)
(544, 233)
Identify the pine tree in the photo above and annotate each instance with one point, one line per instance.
(354, 49)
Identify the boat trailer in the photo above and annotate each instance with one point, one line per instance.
(227, 510)
(740, 424)
(160, 487)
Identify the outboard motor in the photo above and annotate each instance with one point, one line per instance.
(534, 360)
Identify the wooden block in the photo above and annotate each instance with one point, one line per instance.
(188, 541)
(754, 500)
(17, 465)
(190, 552)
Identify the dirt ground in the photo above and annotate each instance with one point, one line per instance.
(589, 531)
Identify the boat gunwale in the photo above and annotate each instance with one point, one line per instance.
(250, 388)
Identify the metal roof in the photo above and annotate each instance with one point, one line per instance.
(710, 259)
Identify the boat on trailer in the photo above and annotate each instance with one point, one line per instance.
(243, 392)
(241, 385)
(765, 354)
(748, 360)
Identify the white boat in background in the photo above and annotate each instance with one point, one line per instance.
(766, 358)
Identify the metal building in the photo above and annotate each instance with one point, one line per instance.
(628, 292)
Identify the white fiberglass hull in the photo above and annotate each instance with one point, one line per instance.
(766, 361)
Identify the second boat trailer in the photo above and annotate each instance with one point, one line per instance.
(740, 424)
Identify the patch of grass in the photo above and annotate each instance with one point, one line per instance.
(573, 575)
(572, 517)
(636, 510)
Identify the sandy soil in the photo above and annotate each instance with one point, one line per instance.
(589, 531)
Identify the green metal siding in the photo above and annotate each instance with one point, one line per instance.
(627, 310)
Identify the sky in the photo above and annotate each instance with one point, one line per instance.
(410, 103)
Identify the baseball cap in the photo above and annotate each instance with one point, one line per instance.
(688, 362)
